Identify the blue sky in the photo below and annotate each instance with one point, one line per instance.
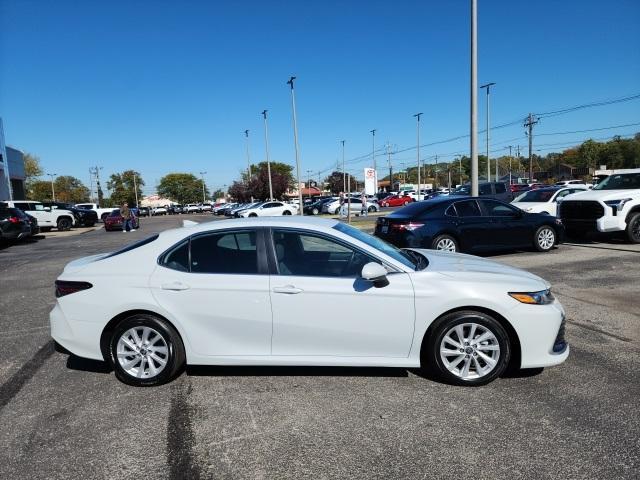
(164, 86)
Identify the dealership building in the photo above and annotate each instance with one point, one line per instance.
(15, 161)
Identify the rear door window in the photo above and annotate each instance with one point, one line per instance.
(468, 208)
(225, 252)
(498, 209)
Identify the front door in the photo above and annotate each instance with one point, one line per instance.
(215, 286)
(509, 224)
(321, 306)
(473, 227)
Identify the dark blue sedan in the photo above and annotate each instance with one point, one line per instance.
(469, 224)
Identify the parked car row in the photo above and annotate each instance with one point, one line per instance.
(16, 224)
(57, 215)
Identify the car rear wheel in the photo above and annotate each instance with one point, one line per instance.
(286, 212)
(385, 204)
(315, 211)
(544, 239)
(253, 214)
(371, 209)
(467, 348)
(633, 228)
(63, 224)
(446, 243)
(145, 351)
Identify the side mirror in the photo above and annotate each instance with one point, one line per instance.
(375, 273)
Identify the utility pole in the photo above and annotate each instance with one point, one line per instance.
(435, 175)
(266, 146)
(5, 161)
(53, 192)
(529, 123)
(417, 115)
(373, 155)
(295, 141)
(204, 198)
(246, 134)
(91, 184)
(460, 166)
(344, 172)
(488, 87)
(474, 98)
(308, 187)
(510, 146)
(390, 167)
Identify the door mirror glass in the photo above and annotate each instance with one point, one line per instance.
(376, 274)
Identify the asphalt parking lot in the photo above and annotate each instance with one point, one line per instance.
(63, 417)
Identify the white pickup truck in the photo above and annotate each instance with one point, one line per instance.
(47, 218)
(102, 212)
(613, 205)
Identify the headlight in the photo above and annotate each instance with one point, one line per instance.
(544, 297)
(618, 204)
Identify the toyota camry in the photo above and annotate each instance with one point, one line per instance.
(302, 291)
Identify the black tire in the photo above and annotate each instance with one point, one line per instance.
(441, 240)
(371, 209)
(432, 359)
(103, 216)
(253, 214)
(175, 358)
(286, 212)
(407, 202)
(315, 211)
(545, 238)
(64, 223)
(633, 228)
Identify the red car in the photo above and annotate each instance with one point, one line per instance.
(396, 201)
(533, 186)
(519, 187)
(115, 221)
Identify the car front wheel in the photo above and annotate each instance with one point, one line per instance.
(315, 211)
(286, 212)
(544, 239)
(64, 224)
(467, 348)
(446, 243)
(633, 228)
(146, 351)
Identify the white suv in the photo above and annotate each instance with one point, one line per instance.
(47, 218)
(612, 206)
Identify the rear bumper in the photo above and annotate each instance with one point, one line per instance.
(80, 338)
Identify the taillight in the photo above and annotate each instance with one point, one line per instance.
(411, 226)
(14, 220)
(64, 287)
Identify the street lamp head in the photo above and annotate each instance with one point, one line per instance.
(246, 133)
(264, 114)
(487, 85)
(290, 82)
(417, 115)
(373, 132)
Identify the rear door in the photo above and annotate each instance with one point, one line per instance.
(473, 227)
(216, 284)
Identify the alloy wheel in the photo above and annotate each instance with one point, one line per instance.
(546, 238)
(142, 352)
(470, 351)
(446, 245)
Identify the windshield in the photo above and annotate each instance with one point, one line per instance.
(407, 259)
(536, 196)
(620, 181)
(462, 190)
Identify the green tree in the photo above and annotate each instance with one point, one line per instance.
(122, 187)
(70, 189)
(218, 194)
(257, 186)
(182, 188)
(40, 190)
(335, 182)
(32, 170)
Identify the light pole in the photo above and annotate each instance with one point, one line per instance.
(373, 156)
(53, 191)
(135, 187)
(344, 172)
(295, 141)
(204, 199)
(308, 187)
(509, 147)
(417, 115)
(488, 132)
(246, 134)
(266, 146)
(474, 98)
(460, 167)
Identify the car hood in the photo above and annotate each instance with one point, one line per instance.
(476, 269)
(603, 195)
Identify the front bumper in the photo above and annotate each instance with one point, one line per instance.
(540, 329)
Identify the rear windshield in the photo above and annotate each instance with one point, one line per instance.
(133, 246)
(415, 208)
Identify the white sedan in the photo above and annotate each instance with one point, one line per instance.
(242, 292)
(356, 206)
(545, 200)
(270, 209)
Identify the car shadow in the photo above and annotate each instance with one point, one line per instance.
(87, 365)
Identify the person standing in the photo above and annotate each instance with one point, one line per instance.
(365, 208)
(125, 212)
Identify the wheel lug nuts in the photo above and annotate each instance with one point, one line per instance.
(462, 350)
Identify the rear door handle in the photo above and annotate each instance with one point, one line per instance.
(176, 286)
(288, 289)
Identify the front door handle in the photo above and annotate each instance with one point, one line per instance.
(176, 286)
(289, 289)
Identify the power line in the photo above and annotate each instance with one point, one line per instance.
(590, 130)
(589, 105)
